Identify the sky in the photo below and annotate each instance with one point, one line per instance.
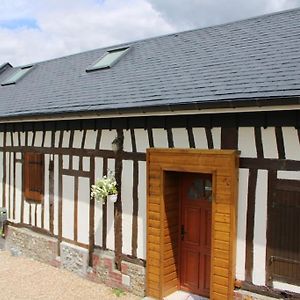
(37, 30)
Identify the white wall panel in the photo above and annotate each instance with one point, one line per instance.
(1, 139)
(15, 139)
(77, 140)
(141, 140)
(127, 141)
(246, 142)
(47, 142)
(18, 191)
(216, 136)
(30, 137)
(269, 142)
(56, 197)
(260, 228)
(98, 205)
(160, 138)
(66, 138)
(142, 222)
(180, 138)
(106, 139)
(1, 178)
(127, 205)
(83, 209)
(38, 139)
(46, 194)
(110, 239)
(90, 139)
(68, 207)
(291, 143)
(241, 224)
(200, 138)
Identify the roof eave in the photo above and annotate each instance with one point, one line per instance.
(265, 102)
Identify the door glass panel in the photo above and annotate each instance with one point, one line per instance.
(200, 189)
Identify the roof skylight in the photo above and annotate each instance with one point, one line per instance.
(17, 75)
(110, 58)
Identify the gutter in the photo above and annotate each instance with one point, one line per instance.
(205, 107)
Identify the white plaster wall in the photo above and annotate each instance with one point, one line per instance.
(142, 222)
(39, 215)
(75, 162)
(65, 161)
(286, 287)
(7, 187)
(8, 139)
(15, 139)
(246, 142)
(291, 143)
(98, 205)
(66, 139)
(269, 142)
(56, 138)
(83, 209)
(18, 191)
(106, 139)
(47, 142)
(12, 184)
(86, 163)
(127, 205)
(26, 212)
(141, 139)
(160, 138)
(30, 137)
(127, 146)
(38, 139)
(260, 228)
(200, 138)
(241, 224)
(90, 139)
(22, 138)
(55, 204)
(77, 140)
(216, 136)
(292, 175)
(110, 238)
(46, 192)
(180, 138)
(68, 207)
(1, 139)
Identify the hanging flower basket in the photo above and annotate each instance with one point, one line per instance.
(112, 198)
(105, 188)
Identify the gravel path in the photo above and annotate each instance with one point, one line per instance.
(24, 278)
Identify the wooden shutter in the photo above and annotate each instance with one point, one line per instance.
(34, 176)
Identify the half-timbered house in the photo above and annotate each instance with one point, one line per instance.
(207, 128)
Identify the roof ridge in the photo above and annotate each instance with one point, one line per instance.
(165, 35)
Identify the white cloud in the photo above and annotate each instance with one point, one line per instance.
(68, 26)
(198, 13)
(72, 26)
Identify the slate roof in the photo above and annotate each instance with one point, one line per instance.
(239, 63)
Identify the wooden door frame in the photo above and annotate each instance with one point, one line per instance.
(223, 165)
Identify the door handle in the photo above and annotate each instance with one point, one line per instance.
(182, 232)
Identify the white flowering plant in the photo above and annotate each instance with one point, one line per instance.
(104, 187)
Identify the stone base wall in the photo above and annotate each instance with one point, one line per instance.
(131, 277)
(74, 258)
(22, 241)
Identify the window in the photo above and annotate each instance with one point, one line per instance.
(34, 176)
(17, 75)
(108, 59)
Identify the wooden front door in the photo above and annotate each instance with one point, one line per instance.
(195, 233)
